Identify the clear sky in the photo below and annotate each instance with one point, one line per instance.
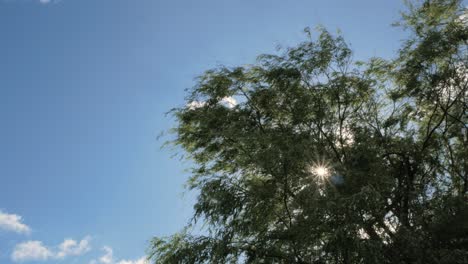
(84, 87)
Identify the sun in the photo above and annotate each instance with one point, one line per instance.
(320, 171)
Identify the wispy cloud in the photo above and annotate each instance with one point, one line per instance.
(37, 251)
(70, 247)
(13, 222)
(108, 258)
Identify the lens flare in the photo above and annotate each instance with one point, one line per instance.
(321, 171)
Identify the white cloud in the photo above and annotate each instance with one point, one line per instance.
(142, 260)
(463, 18)
(31, 250)
(44, 2)
(12, 222)
(229, 101)
(195, 104)
(108, 258)
(70, 247)
(37, 251)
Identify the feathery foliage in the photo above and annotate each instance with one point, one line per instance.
(310, 157)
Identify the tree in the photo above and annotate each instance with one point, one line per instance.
(310, 157)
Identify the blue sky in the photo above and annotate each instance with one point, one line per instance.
(85, 85)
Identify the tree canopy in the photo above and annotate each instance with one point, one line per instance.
(310, 157)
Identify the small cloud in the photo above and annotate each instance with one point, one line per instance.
(463, 18)
(142, 260)
(229, 102)
(37, 251)
(70, 247)
(108, 258)
(195, 104)
(43, 2)
(31, 251)
(12, 222)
